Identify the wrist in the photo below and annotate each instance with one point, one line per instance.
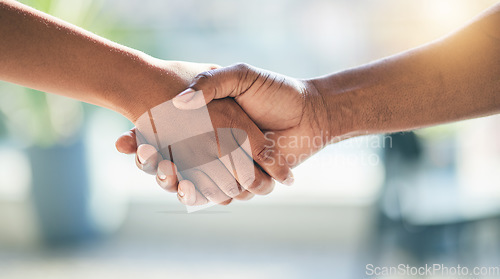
(150, 82)
(154, 81)
(342, 110)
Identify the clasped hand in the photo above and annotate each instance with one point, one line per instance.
(272, 109)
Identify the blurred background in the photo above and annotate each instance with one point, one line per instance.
(71, 206)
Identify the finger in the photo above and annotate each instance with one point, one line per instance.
(234, 158)
(216, 84)
(249, 175)
(241, 166)
(223, 178)
(127, 143)
(262, 184)
(256, 146)
(226, 82)
(246, 136)
(205, 185)
(147, 158)
(189, 195)
(166, 176)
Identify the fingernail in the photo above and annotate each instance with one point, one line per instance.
(141, 159)
(162, 176)
(145, 152)
(289, 180)
(185, 96)
(181, 194)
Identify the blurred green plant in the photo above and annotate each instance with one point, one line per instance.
(439, 132)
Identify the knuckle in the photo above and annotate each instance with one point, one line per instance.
(204, 77)
(242, 66)
(264, 155)
(207, 192)
(214, 66)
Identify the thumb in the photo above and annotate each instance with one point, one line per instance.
(216, 84)
(127, 142)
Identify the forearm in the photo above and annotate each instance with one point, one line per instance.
(452, 79)
(48, 54)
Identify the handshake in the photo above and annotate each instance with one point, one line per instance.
(230, 134)
(233, 130)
